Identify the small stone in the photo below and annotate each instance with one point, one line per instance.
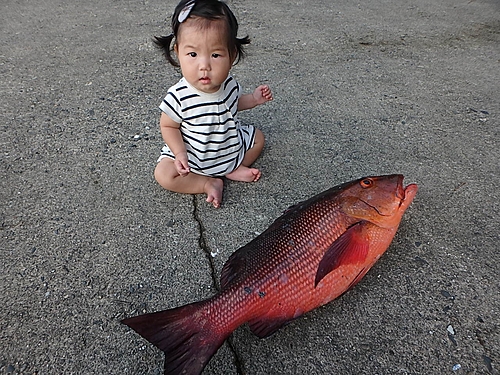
(450, 329)
(446, 294)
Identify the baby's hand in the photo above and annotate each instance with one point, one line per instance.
(262, 94)
(181, 164)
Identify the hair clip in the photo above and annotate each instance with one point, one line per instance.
(184, 13)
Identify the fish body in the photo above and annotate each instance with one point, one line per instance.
(316, 251)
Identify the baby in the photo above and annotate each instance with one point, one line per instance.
(204, 139)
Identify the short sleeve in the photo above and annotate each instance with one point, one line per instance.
(171, 105)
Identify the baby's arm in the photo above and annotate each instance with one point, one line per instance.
(173, 138)
(261, 95)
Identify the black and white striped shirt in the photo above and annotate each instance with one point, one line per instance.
(215, 140)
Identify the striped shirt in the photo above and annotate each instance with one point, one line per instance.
(215, 140)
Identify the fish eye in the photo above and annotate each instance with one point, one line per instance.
(366, 183)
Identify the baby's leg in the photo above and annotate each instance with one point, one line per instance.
(168, 178)
(243, 172)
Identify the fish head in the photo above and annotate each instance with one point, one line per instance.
(380, 200)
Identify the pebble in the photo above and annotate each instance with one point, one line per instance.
(450, 329)
(446, 294)
(456, 367)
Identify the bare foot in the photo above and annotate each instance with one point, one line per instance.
(213, 188)
(244, 174)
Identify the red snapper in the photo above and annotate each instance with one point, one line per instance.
(316, 251)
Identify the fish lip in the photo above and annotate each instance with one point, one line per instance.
(401, 195)
(400, 190)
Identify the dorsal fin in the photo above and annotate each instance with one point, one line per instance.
(233, 268)
(350, 247)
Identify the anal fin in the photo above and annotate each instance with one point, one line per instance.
(263, 327)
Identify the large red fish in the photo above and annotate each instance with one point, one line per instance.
(313, 253)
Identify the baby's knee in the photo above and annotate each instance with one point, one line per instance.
(260, 140)
(163, 173)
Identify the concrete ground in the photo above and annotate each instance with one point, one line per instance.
(361, 88)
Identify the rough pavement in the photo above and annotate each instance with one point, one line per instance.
(88, 237)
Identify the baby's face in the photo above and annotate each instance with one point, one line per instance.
(203, 55)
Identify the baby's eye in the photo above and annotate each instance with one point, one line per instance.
(192, 54)
(215, 55)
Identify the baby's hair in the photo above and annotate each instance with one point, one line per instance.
(209, 10)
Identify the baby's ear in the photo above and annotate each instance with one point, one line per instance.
(176, 49)
(234, 56)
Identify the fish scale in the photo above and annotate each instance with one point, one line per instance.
(313, 253)
(287, 252)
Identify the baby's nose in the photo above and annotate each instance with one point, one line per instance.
(205, 64)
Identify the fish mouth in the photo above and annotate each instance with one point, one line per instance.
(400, 194)
(400, 190)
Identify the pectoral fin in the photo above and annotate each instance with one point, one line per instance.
(351, 247)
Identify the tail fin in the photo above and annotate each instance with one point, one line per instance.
(182, 334)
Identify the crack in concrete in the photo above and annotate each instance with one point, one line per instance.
(202, 242)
